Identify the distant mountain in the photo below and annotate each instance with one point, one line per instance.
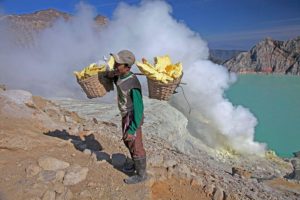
(268, 56)
(37, 20)
(219, 56)
(25, 26)
(44, 18)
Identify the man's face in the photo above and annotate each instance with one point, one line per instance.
(121, 68)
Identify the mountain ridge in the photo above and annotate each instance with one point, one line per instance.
(25, 27)
(220, 56)
(268, 56)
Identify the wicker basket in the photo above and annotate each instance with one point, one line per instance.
(96, 86)
(162, 91)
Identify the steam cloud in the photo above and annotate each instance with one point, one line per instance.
(148, 30)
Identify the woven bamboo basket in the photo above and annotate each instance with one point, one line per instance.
(162, 91)
(96, 86)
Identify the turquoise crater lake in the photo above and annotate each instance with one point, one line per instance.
(275, 102)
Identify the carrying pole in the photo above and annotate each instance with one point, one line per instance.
(140, 74)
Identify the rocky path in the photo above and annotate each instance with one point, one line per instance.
(51, 152)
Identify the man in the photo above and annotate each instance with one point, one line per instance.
(130, 104)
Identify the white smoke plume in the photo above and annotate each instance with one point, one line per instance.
(148, 30)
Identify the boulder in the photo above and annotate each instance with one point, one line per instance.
(50, 163)
(59, 188)
(297, 154)
(66, 195)
(219, 194)
(75, 174)
(47, 176)
(241, 172)
(49, 195)
(32, 170)
(296, 172)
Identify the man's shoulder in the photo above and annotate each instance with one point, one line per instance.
(130, 83)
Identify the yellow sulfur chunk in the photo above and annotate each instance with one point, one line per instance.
(163, 69)
(146, 69)
(151, 73)
(149, 64)
(94, 69)
(77, 74)
(156, 77)
(165, 78)
(111, 63)
(160, 77)
(161, 62)
(170, 70)
(90, 70)
(178, 70)
(174, 71)
(81, 74)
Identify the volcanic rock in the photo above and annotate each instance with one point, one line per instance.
(75, 174)
(268, 56)
(296, 172)
(49, 163)
(297, 154)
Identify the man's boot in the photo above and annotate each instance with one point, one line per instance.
(141, 175)
(128, 166)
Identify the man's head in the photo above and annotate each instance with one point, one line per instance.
(123, 61)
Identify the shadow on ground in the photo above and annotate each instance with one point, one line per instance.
(117, 160)
(2, 197)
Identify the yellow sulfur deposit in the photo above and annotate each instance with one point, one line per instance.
(163, 69)
(111, 63)
(174, 71)
(160, 62)
(94, 69)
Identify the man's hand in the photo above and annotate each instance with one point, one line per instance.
(112, 74)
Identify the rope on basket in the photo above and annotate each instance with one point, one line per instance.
(190, 109)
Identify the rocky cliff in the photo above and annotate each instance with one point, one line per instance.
(268, 56)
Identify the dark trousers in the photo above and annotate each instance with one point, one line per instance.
(135, 147)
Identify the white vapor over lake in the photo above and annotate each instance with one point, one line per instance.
(46, 68)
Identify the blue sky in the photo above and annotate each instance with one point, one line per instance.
(224, 24)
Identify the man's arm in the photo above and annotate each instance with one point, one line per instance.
(138, 110)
